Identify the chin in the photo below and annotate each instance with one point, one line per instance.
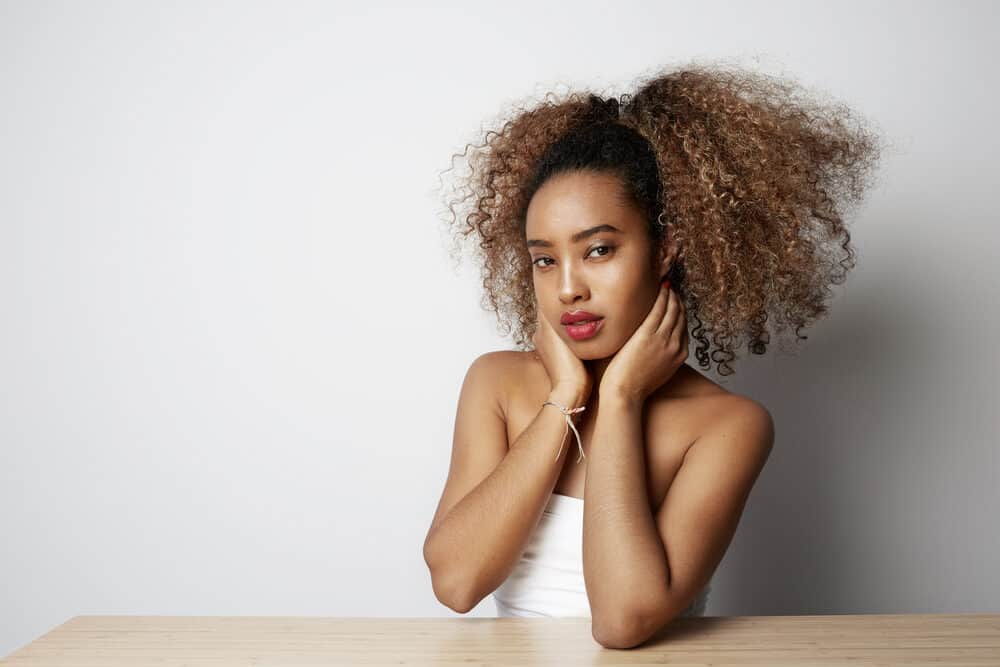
(592, 350)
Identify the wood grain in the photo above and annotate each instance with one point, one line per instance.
(954, 640)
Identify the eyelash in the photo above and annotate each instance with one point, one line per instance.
(597, 247)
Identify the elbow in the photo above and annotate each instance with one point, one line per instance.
(618, 636)
(451, 595)
(453, 598)
(448, 589)
(625, 629)
(462, 606)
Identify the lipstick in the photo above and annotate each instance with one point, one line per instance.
(584, 330)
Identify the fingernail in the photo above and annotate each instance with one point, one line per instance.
(666, 283)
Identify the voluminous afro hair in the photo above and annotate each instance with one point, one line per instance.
(752, 177)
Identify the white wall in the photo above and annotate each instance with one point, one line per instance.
(232, 340)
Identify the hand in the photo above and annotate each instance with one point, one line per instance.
(564, 368)
(653, 353)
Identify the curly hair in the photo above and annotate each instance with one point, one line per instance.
(750, 176)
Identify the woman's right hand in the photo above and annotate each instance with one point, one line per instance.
(564, 368)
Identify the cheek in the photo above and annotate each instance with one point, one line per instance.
(628, 293)
(632, 310)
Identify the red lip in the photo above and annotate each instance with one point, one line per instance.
(584, 330)
(576, 316)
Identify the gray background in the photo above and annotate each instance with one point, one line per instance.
(232, 340)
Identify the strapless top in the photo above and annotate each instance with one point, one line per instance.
(548, 578)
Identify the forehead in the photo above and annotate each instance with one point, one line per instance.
(571, 201)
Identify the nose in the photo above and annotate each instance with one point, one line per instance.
(571, 286)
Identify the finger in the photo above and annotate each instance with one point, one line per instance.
(655, 315)
(679, 331)
(544, 322)
(666, 325)
(685, 336)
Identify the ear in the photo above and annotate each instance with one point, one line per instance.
(666, 256)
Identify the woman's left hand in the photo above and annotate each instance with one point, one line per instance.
(654, 352)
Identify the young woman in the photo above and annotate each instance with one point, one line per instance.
(604, 225)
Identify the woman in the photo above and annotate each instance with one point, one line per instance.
(603, 225)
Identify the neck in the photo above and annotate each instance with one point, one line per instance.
(597, 368)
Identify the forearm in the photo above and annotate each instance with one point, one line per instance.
(479, 541)
(623, 555)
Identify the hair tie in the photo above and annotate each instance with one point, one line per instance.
(569, 425)
(607, 109)
(613, 107)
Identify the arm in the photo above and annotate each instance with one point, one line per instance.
(691, 530)
(493, 497)
(623, 557)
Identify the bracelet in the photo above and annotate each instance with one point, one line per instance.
(569, 425)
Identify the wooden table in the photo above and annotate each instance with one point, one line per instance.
(951, 640)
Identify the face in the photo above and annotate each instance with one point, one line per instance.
(591, 251)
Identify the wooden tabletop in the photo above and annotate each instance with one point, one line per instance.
(260, 641)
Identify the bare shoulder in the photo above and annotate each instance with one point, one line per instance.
(499, 361)
(504, 363)
(735, 411)
(501, 369)
(692, 405)
(521, 366)
(688, 382)
(715, 413)
(689, 385)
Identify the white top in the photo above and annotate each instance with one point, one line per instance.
(548, 579)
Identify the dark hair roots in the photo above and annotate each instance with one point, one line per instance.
(752, 177)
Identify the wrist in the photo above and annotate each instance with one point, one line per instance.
(569, 395)
(619, 394)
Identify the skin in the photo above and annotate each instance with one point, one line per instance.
(612, 274)
(669, 463)
(616, 276)
(670, 455)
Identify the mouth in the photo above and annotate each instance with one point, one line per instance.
(578, 316)
(584, 329)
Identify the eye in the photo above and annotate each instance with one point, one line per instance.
(607, 248)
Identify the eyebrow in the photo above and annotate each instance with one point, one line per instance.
(579, 236)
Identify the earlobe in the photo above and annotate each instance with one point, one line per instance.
(667, 256)
(665, 269)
